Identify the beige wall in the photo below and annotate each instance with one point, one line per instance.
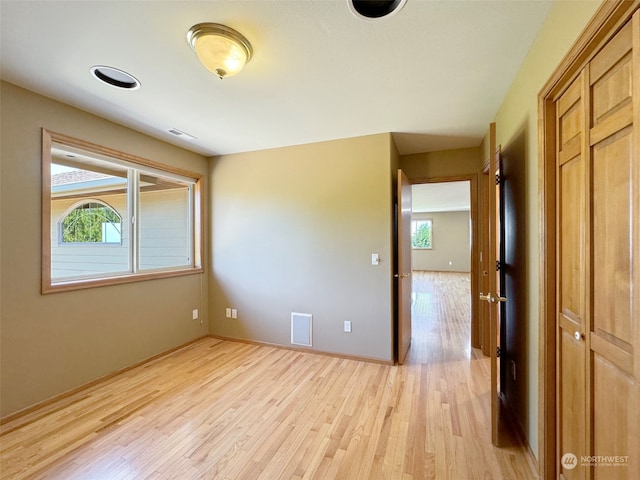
(446, 163)
(56, 342)
(293, 230)
(451, 243)
(518, 115)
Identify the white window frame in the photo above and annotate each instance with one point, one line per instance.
(136, 165)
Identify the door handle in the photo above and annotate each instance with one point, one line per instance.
(491, 298)
(402, 275)
(578, 336)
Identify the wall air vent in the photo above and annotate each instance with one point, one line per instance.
(301, 328)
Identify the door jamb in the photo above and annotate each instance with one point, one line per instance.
(608, 19)
(475, 257)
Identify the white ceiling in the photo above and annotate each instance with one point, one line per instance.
(440, 197)
(435, 73)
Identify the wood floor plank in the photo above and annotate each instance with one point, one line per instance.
(223, 410)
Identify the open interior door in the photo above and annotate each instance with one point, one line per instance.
(403, 275)
(493, 297)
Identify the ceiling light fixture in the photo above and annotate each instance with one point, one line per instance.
(222, 50)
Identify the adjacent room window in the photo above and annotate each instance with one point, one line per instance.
(422, 233)
(110, 217)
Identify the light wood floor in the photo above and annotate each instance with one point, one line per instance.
(224, 410)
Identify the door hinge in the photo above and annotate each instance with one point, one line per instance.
(498, 352)
(498, 179)
(498, 266)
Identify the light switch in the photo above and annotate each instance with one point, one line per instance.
(375, 259)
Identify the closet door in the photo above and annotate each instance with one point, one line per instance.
(615, 247)
(590, 252)
(572, 274)
(598, 265)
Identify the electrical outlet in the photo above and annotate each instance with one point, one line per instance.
(195, 314)
(347, 326)
(228, 313)
(234, 313)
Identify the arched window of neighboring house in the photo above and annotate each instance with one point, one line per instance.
(91, 221)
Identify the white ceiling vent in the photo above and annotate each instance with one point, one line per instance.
(180, 133)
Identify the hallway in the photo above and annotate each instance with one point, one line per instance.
(442, 318)
(454, 383)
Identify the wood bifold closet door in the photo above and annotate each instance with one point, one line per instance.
(598, 263)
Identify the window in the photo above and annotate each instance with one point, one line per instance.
(110, 217)
(422, 234)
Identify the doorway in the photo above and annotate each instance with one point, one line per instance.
(443, 240)
(441, 348)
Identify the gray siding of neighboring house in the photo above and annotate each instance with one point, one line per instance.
(164, 237)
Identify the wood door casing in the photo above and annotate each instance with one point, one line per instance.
(494, 318)
(486, 186)
(404, 266)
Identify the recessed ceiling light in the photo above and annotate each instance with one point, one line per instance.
(373, 9)
(115, 77)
